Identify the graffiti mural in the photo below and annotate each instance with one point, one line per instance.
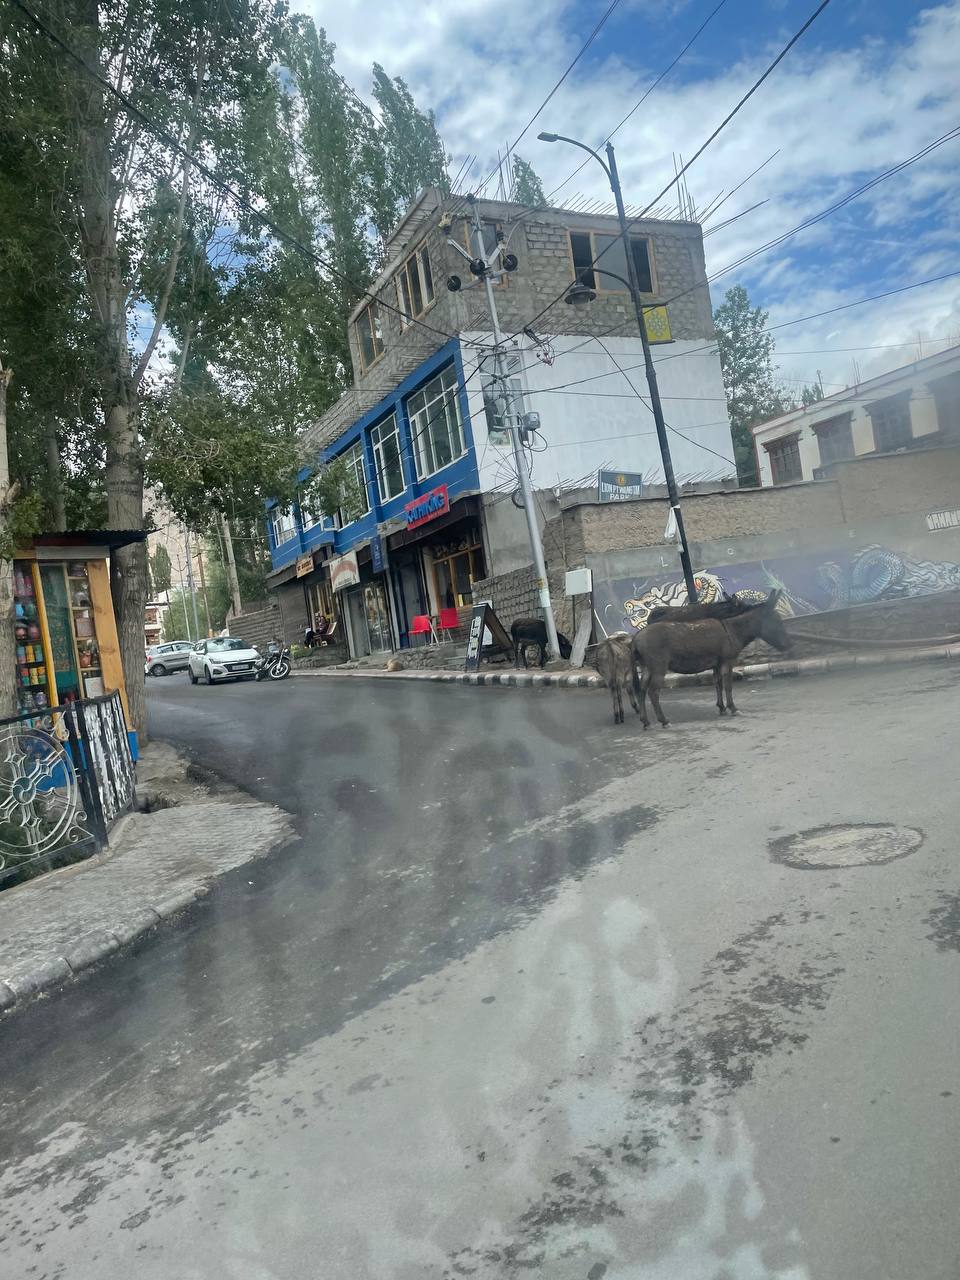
(811, 583)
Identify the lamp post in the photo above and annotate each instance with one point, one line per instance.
(583, 295)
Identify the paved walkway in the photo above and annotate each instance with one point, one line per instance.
(588, 679)
(59, 924)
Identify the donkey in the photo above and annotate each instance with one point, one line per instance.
(702, 645)
(615, 666)
(727, 608)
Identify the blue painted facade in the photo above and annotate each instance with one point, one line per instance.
(460, 476)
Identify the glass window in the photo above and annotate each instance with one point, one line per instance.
(353, 459)
(891, 423)
(385, 439)
(415, 285)
(785, 460)
(369, 335)
(835, 439)
(283, 525)
(586, 247)
(434, 413)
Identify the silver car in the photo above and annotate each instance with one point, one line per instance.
(164, 658)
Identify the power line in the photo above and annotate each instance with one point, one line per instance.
(618, 235)
(583, 49)
(645, 95)
(165, 136)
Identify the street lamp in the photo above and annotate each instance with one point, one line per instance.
(580, 294)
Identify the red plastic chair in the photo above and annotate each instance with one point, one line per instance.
(449, 621)
(421, 626)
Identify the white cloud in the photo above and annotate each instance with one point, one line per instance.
(837, 115)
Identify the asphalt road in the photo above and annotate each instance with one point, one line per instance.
(529, 996)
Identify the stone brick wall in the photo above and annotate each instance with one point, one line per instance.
(514, 595)
(258, 625)
(899, 483)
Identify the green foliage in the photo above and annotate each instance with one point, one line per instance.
(251, 573)
(810, 394)
(160, 570)
(333, 487)
(25, 517)
(178, 616)
(746, 358)
(527, 188)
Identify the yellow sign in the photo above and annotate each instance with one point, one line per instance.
(304, 566)
(658, 324)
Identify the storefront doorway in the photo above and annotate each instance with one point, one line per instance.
(456, 568)
(368, 619)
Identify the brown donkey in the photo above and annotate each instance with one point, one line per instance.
(709, 644)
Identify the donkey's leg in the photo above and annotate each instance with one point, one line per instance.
(617, 703)
(655, 684)
(718, 680)
(632, 691)
(644, 685)
(728, 686)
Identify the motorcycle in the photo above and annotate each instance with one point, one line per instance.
(276, 664)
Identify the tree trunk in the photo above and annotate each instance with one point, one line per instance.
(8, 644)
(203, 586)
(55, 474)
(231, 567)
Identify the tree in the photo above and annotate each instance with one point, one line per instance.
(746, 359)
(403, 154)
(527, 188)
(810, 394)
(161, 570)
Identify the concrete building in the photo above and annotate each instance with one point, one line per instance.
(913, 407)
(422, 430)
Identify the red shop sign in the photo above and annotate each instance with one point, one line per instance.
(427, 507)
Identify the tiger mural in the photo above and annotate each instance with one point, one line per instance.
(672, 595)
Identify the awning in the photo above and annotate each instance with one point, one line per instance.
(112, 539)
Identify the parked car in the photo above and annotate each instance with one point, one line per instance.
(222, 658)
(161, 659)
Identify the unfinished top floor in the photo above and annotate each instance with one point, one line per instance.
(410, 312)
(913, 407)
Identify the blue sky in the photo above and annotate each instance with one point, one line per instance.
(867, 86)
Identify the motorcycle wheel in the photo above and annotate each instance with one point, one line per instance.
(280, 670)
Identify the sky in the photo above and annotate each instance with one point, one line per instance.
(870, 83)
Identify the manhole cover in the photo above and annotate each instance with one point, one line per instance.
(846, 846)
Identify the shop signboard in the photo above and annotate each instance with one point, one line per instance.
(344, 571)
(429, 506)
(485, 629)
(378, 554)
(304, 566)
(617, 486)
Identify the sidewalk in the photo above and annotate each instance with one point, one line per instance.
(588, 679)
(59, 924)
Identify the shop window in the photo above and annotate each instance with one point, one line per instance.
(785, 459)
(891, 423)
(415, 286)
(587, 246)
(835, 438)
(385, 441)
(457, 566)
(282, 525)
(434, 413)
(357, 477)
(369, 332)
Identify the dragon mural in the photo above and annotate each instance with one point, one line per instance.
(808, 585)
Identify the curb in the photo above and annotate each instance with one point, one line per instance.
(91, 948)
(563, 680)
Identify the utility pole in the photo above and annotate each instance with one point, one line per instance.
(231, 566)
(652, 385)
(526, 489)
(203, 585)
(610, 168)
(191, 587)
(820, 380)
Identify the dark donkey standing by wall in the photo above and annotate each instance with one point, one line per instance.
(527, 631)
(701, 645)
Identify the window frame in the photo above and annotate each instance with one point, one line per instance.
(450, 393)
(775, 450)
(278, 516)
(841, 425)
(377, 439)
(425, 284)
(371, 314)
(652, 292)
(350, 456)
(900, 403)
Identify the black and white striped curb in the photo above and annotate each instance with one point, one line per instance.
(590, 680)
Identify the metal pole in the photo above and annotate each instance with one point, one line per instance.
(655, 404)
(203, 586)
(191, 587)
(533, 528)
